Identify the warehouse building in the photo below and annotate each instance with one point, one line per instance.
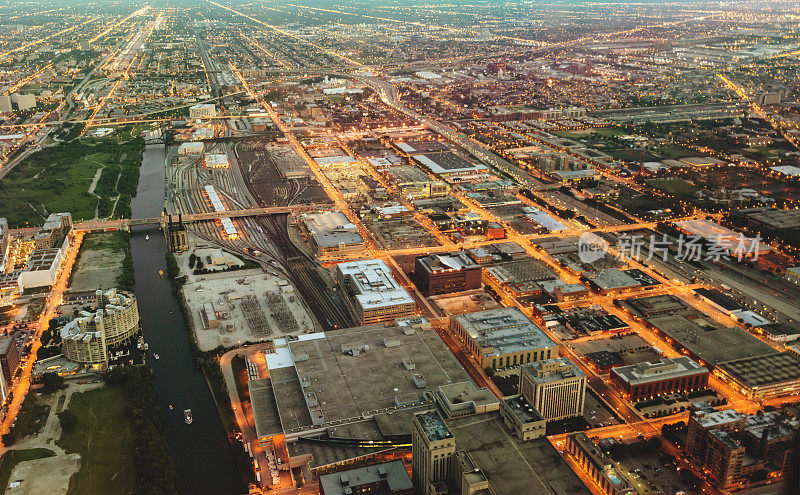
(503, 338)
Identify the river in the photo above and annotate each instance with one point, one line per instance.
(201, 450)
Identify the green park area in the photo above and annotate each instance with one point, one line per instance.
(117, 431)
(88, 178)
(104, 437)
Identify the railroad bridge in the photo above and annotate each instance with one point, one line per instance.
(126, 223)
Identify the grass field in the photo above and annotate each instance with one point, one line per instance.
(104, 439)
(58, 178)
(104, 261)
(675, 153)
(13, 457)
(32, 417)
(675, 187)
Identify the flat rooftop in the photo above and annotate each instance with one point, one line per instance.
(445, 262)
(447, 163)
(343, 376)
(656, 305)
(662, 369)
(778, 219)
(433, 425)
(393, 473)
(373, 283)
(550, 370)
(614, 278)
(710, 343)
(522, 408)
(514, 467)
(506, 330)
(769, 369)
(522, 270)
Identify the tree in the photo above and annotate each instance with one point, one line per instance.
(9, 438)
(68, 420)
(52, 382)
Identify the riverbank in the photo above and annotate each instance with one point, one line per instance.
(203, 455)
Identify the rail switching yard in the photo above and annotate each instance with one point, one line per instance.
(254, 179)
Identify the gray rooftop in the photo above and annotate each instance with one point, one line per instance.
(433, 425)
(662, 369)
(393, 474)
(506, 330)
(512, 466)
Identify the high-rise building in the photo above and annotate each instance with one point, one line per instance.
(555, 387)
(86, 339)
(702, 423)
(433, 449)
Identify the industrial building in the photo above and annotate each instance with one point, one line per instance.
(763, 377)
(555, 387)
(503, 338)
(373, 293)
(518, 278)
(444, 273)
(202, 110)
(665, 376)
(330, 233)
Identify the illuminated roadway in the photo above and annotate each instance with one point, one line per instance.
(54, 300)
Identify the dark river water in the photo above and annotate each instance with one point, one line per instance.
(201, 450)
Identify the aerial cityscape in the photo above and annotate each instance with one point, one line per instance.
(400, 248)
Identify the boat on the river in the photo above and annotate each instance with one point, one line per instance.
(187, 416)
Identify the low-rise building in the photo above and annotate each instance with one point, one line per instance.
(445, 273)
(763, 377)
(216, 160)
(503, 338)
(202, 110)
(598, 465)
(373, 293)
(522, 418)
(331, 234)
(386, 478)
(461, 399)
(42, 268)
(665, 376)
